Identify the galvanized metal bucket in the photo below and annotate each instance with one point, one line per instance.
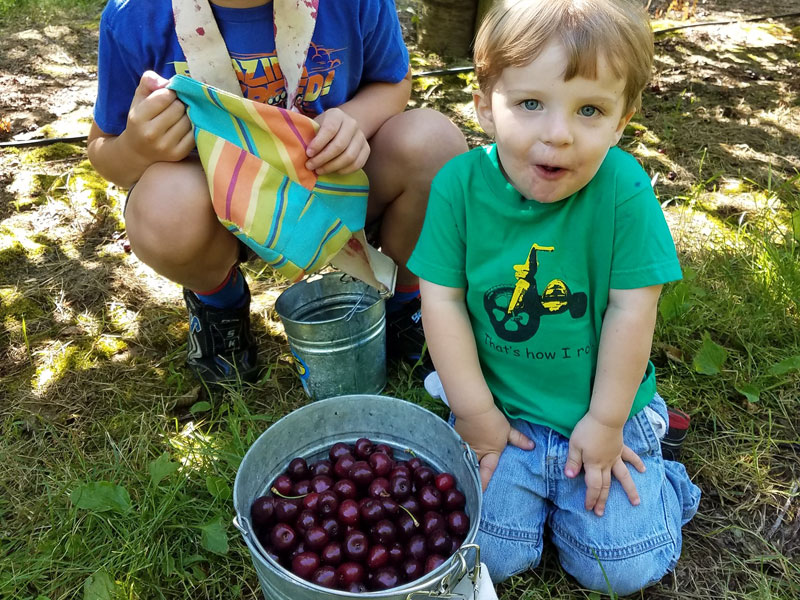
(309, 432)
(337, 333)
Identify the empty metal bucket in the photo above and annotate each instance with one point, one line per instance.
(309, 432)
(337, 333)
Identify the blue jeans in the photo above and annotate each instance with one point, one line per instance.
(636, 545)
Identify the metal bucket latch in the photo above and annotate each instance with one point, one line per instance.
(446, 587)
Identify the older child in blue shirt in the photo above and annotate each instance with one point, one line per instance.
(356, 84)
(541, 261)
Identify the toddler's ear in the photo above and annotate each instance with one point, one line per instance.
(483, 109)
(623, 122)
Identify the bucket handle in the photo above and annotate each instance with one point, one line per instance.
(445, 586)
(246, 529)
(471, 459)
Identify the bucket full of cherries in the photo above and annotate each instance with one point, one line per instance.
(359, 496)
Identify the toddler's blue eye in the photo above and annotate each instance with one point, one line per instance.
(531, 104)
(588, 111)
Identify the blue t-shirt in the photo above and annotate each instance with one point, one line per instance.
(355, 42)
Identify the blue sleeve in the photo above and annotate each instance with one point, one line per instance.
(385, 53)
(117, 77)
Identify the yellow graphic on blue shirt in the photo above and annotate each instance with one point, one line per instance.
(261, 78)
(515, 310)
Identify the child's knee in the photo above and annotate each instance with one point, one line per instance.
(426, 139)
(625, 575)
(505, 556)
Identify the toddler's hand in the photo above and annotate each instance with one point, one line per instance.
(158, 128)
(488, 433)
(339, 146)
(599, 449)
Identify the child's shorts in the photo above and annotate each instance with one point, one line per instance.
(636, 545)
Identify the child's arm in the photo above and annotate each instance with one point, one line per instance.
(452, 346)
(596, 442)
(341, 144)
(157, 130)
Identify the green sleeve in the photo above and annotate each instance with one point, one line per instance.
(440, 254)
(644, 253)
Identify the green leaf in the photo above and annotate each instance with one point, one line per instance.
(162, 467)
(749, 390)
(98, 587)
(796, 225)
(101, 496)
(675, 302)
(785, 366)
(710, 358)
(214, 537)
(218, 487)
(198, 407)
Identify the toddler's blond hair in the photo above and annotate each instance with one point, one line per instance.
(514, 32)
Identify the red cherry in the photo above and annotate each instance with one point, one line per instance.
(325, 576)
(316, 538)
(311, 501)
(262, 510)
(380, 463)
(438, 542)
(363, 448)
(321, 483)
(283, 485)
(377, 557)
(433, 562)
(429, 497)
(399, 487)
(338, 450)
(454, 500)
(379, 488)
(400, 470)
(332, 554)
(283, 538)
(386, 449)
(321, 467)
(424, 476)
(396, 553)
(345, 488)
(305, 519)
(412, 569)
(297, 469)
(415, 547)
(415, 463)
(300, 488)
(286, 510)
(348, 512)
(304, 564)
(331, 527)
(384, 532)
(355, 545)
(328, 503)
(372, 511)
(361, 473)
(431, 521)
(343, 465)
(385, 578)
(444, 481)
(458, 522)
(349, 573)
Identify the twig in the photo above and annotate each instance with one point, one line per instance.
(782, 512)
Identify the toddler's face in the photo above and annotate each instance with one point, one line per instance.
(552, 135)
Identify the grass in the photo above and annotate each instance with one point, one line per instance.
(116, 469)
(28, 12)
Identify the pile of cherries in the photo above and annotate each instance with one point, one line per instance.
(361, 520)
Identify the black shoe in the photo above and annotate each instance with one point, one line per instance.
(676, 433)
(405, 339)
(221, 349)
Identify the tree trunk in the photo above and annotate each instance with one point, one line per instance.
(447, 27)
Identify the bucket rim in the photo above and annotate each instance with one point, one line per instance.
(366, 291)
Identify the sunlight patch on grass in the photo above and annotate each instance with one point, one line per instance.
(55, 359)
(193, 448)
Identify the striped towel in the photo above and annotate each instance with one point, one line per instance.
(254, 156)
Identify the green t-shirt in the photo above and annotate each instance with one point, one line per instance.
(537, 276)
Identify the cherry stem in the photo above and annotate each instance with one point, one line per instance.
(416, 523)
(275, 491)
